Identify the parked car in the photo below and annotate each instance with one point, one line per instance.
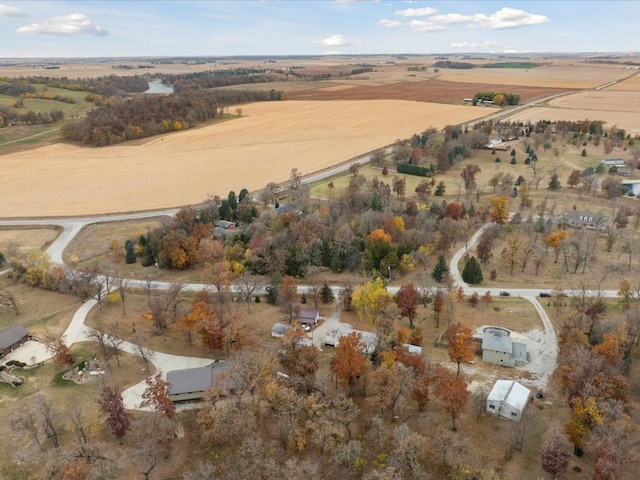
(545, 294)
(505, 294)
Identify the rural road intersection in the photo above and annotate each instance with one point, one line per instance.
(541, 366)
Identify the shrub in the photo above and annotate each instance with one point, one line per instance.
(497, 160)
(412, 169)
(258, 299)
(513, 160)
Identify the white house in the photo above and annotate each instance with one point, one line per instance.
(508, 399)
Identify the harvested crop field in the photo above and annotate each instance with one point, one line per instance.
(186, 167)
(621, 108)
(569, 76)
(426, 91)
(629, 83)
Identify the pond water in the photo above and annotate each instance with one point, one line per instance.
(157, 87)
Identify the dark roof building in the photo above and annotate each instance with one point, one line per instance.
(11, 338)
(308, 316)
(189, 385)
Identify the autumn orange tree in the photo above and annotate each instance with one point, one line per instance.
(199, 314)
(377, 247)
(452, 392)
(554, 240)
(408, 298)
(350, 361)
(155, 396)
(460, 344)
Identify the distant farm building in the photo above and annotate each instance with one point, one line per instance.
(12, 338)
(508, 399)
(584, 219)
(500, 349)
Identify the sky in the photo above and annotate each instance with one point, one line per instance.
(158, 28)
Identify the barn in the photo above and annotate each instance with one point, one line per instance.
(508, 399)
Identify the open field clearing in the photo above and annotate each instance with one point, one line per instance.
(601, 100)
(621, 108)
(629, 121)
(573, 76)
(184, 168)
(629, 83)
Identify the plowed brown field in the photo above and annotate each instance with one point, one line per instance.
(424, 91)
(184, 168)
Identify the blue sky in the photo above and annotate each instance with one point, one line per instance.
(82, 28)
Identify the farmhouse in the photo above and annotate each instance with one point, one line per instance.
(369, 339)
(11, 338)
(612, 162)
(508, 399)
(585, 219)
(499, 348)
(189, 385)
(223, 228)
(307, 316)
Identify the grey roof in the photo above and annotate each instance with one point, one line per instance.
(285, 208)
(12, 335)
(519, 351)
(584, 216)
(499, 343)
(198, 379)
(280, 328)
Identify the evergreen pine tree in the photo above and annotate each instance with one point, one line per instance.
(440, 270)
(554, 184)
(472, 273)
(130, 255)
(326, 294)
(440, 189)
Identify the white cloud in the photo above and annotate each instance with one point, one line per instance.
(508, 18)
(422, 26)
(390, 23)
(450, 18)
(485, 44)
(417, 12)
(74, 24)
(7, 11)
(464, 45)
(333, 41)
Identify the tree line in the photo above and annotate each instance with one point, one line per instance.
(106, 86)
(218, 78)
(127, 118)
(9, 116)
